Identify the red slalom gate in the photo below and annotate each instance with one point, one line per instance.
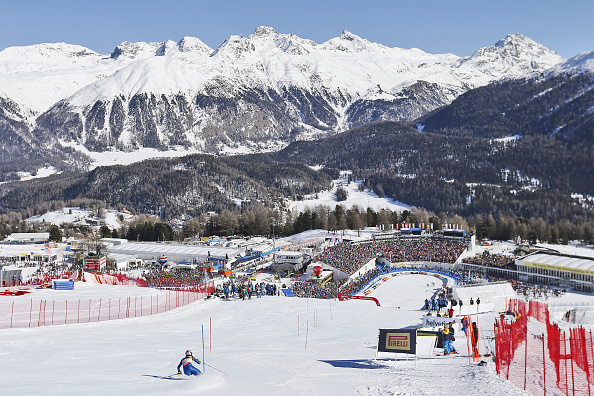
(29, 313)
(539, 357)
(350, 296)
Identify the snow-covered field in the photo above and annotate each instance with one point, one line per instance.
(272, 346)
(78, 215)
(363, 199)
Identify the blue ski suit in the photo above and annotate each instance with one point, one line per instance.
(189, 369)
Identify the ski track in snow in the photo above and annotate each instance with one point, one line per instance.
(269, 345)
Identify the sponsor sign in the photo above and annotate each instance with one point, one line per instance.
(435, 321)
(398, 341)
(95, 263)
(556, 268)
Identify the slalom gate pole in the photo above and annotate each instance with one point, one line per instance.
(468, 340)
(544, 366)
(203, 370)
(478, 353)
(210, 338)
(306, 332)
(216, 369)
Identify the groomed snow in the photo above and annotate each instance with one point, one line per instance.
(273, 345)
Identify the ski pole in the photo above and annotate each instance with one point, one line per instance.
(203, 370)
(215, 368)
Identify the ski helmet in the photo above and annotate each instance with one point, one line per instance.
(188, 353)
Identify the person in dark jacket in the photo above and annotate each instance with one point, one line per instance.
(475, 335)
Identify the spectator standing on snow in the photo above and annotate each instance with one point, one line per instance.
(448, 347)
(475, 334)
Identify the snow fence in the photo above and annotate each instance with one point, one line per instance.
(30, 313)
(541, 358)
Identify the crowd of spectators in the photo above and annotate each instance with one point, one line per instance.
(349, 258)
(246, 286)
(174, 279)
(355, 285)
(313, 289)
(492, 260)
(535, 291)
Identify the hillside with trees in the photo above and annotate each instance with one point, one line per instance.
(520, 151)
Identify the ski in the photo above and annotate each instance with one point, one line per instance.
(174, 377)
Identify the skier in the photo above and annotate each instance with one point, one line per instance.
(186, 362)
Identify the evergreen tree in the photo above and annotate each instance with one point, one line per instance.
(55, 234)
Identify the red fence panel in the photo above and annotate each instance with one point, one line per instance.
(538, 356)
(30, 313)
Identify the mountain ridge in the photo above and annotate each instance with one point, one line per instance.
(250, 94)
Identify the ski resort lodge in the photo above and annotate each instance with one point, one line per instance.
(548, 267)
(556, 269)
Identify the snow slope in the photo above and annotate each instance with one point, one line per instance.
(77, 215)
(362, 199)
(38, 76)
(251, 94)
(580, 63)
(273, 346)
(347, 64)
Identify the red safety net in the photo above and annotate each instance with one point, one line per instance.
(538, 356)
(539, 311)
(46, 278)
(32, 313)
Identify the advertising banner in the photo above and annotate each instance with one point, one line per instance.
(398, 341)
(94, 263)
(436, 321)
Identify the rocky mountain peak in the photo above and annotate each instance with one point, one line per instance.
(193, 44)
(581, 63)
(350, 42)
(262, 31)
(138, 50)
(515, 54)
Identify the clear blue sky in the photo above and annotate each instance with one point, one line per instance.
(456, 26)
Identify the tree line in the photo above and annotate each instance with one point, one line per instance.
(270, 222)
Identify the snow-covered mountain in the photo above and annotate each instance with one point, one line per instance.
(581, 63)
(251, 93)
